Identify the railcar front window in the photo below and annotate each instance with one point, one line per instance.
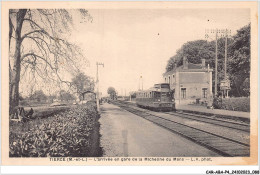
(166, 94)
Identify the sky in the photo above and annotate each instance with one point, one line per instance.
(139, 42)
(134, 43)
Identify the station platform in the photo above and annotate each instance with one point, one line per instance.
(204, 109)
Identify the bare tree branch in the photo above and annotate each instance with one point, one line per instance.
(46, 52)
(53, 68)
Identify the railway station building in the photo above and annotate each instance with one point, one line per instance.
(190, 82)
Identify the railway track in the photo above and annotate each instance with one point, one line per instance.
(241, 126)
(222, 145)
(216, 121)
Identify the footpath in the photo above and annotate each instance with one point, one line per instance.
(204, 110)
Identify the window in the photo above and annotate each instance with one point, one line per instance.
(169, 80)
(165, 94)
(156, 94)
(165, 80)
(183, 93)
(204, 92)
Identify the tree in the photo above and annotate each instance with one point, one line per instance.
(194, 51)
(38, 95)
(51, 98)
(82, 83)
(66, 96)
(38, 45)
(239, 62)
(112, 92)
(198, 49)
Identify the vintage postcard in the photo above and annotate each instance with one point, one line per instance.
(129, 83)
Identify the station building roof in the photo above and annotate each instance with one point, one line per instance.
(190, 68)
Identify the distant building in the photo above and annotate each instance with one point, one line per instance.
(190, 82)
(88, 96)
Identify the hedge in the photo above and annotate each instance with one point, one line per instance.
(233, 104)
(66, 134)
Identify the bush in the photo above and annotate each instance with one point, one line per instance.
(217, 103)
(66, 134)
(234, 104)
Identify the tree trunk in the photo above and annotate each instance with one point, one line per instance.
(15, 75)
(10, 31)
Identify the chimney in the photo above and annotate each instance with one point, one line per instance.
(185, 63)
(203, 63)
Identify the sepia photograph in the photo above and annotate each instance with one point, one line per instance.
(140, 83)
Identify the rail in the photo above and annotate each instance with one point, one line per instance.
(222, 145)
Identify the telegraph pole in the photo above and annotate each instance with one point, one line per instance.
(227, 33)
(227, 83)
(139, 85)
(216, 65)
(142, 82)
(97, 84)
(223, 33)
(207, 32)
(225, 67)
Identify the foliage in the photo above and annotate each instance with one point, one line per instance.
(246, 87)
(38, 96)
(217, 103)
(194, 51)
(112, 92)
(66, 134)
(51, 98)
(238, 60)
(66, 96)
(234, 104)
(82, 83)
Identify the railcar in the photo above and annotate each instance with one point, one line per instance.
(158, 98)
